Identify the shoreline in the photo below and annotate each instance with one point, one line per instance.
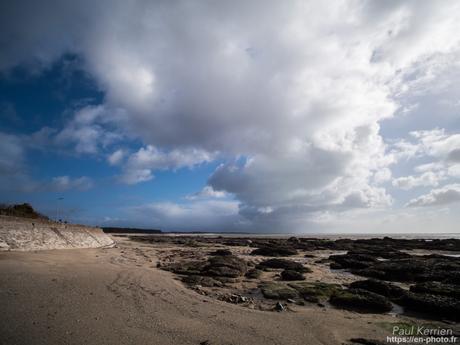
(126, 295)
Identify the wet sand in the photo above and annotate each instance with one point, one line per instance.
(119, 296)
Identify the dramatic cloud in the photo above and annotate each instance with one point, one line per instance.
(290, 96)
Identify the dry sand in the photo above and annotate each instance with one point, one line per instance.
(118, 296)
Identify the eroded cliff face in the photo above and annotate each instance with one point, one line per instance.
(36, 234)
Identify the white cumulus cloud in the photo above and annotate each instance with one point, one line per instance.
(441, 196)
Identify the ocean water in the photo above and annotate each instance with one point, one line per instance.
(427, 236)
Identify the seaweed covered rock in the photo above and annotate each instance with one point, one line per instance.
(442, 306)
(360, 300)
(274, 251)
(315, 291)
(253, 273)
(284, 264)
(437, 288)
(220, 267)
(200, 280)
(384, 253)
(187, 268)
(379, 287)
(291, 275)
(414, 269)
(225, 266)
(278, 291)
(352, 261)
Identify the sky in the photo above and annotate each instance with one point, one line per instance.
(254, 116)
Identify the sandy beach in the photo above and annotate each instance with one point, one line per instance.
(119, 296)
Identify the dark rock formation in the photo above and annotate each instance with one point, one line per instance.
(200, 280)
(278, 291)
(352, 261)
(284, 264)
(291, 275)
(253, 273)
(442, 306)
(360, 300)
(414, 269)
(221, 252)
(379, 287)
(225, 266)
(187, 268)
(217, 266)
(437, 288)
(274, 251)
(314, 291)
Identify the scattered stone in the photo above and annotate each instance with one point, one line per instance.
(291, 275)
(279, 307)
(234, 298)
(360, 300)
(200, 280)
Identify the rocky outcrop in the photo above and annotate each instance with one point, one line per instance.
(292, 275)
(284, 264)
(315, 291)
(228, 266)
(274, 251)
(273, 290)
(379, 287)
(362, 300)
(24, 234)
(442, 306)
